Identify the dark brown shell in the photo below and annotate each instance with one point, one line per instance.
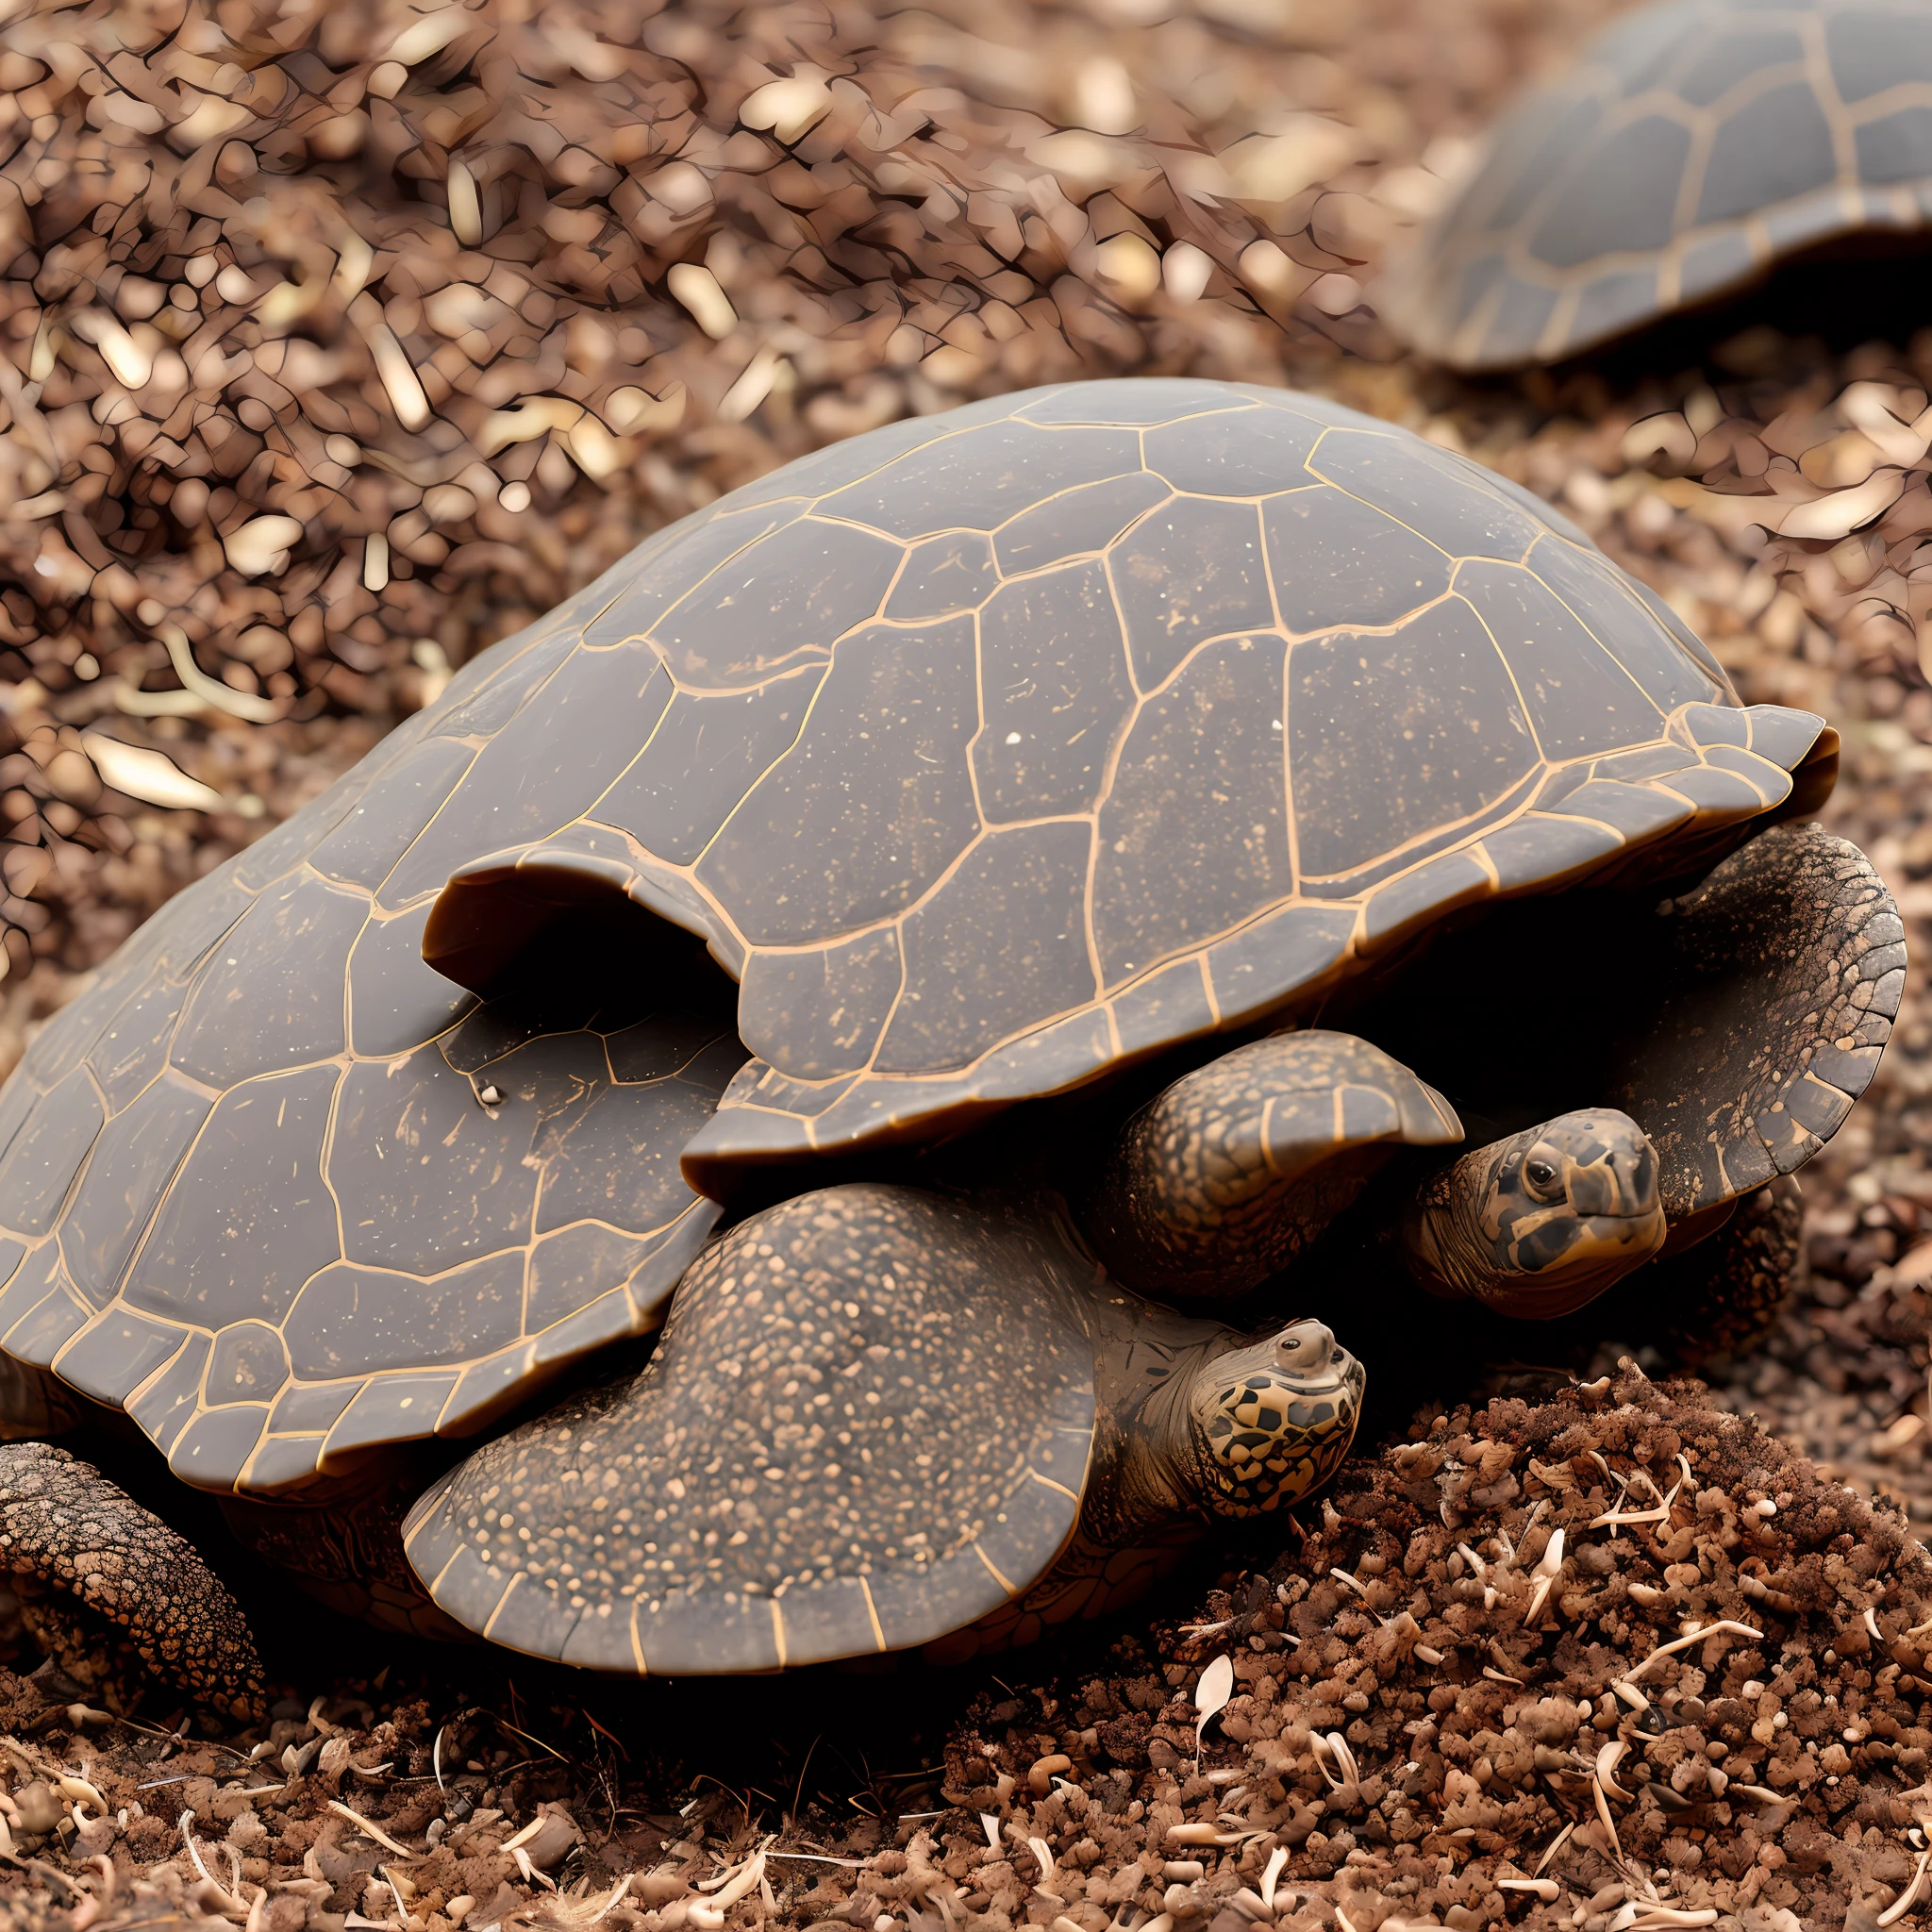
(1692, 147)
(990, 751)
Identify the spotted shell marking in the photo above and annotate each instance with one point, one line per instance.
(805, 1469)
(1692, 147)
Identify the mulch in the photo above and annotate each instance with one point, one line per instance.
(339, 339)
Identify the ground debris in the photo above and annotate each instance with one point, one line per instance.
(1474, 1672)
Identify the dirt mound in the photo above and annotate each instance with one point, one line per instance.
(1607, 1659)
(1604, 1659)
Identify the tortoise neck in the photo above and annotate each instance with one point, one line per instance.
(1148, 1459)
(1439, 1234)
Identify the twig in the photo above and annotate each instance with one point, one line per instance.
(1717, 1629)
(374, 1831)
(1908, 1897)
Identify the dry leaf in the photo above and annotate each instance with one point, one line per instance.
(1216, 1686)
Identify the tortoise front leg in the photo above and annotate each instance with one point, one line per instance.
(1225, 1178)
(103, 1577)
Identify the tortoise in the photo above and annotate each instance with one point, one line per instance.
(901, 921)
(1695, 145)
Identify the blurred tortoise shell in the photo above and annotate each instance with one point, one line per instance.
(989, 752)
(1693, 146)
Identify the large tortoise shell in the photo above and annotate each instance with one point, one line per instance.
(1694, 146)
(996, 751)
(990, 751)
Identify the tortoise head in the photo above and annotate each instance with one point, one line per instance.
(1544, 1222)
(1273, 1420)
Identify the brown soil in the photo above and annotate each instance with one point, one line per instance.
(938, 203)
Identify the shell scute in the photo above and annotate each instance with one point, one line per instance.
(311, 1409)
(429, 1178)
(1054, 695)
(249, 1362)
(249, 1218)
(819, 1013)
(1336, 559)
(587, 1175)
(573, 1267)
(544, 768)
(47, 1152)
(1077, 522)
(648, 584)
(783, 601)
(355, 1320)
(273, 995)
(1191, 571)
(1735, 58)
(1614, 611)
(212, 1452)
(163, 1405)
(1579, 699)
(1200, 455)
(1173, 1004)
(1624, 201)
(40, 1335)
(115, 1357)
(477, 709)
(705, 751)
(365, 845)
(1870, 51)
(387, 1407)
(36, 1275)
(1002, 940)
(1534, 849)
(396, 999)
(859, 817)
(977, 478)
(1259, 966)
(1151, 402)
(1392, 739)
(944, 575)
(1439, 500)
(1776, 147)
(129, 1167)
(1194, 837)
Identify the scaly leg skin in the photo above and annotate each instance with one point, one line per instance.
(63, 1524)
(1221, 1180)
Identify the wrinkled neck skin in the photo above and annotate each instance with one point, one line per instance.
(1440, 1238)
(1149, 1463)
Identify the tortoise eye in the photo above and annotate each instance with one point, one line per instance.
(1540, 1174)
